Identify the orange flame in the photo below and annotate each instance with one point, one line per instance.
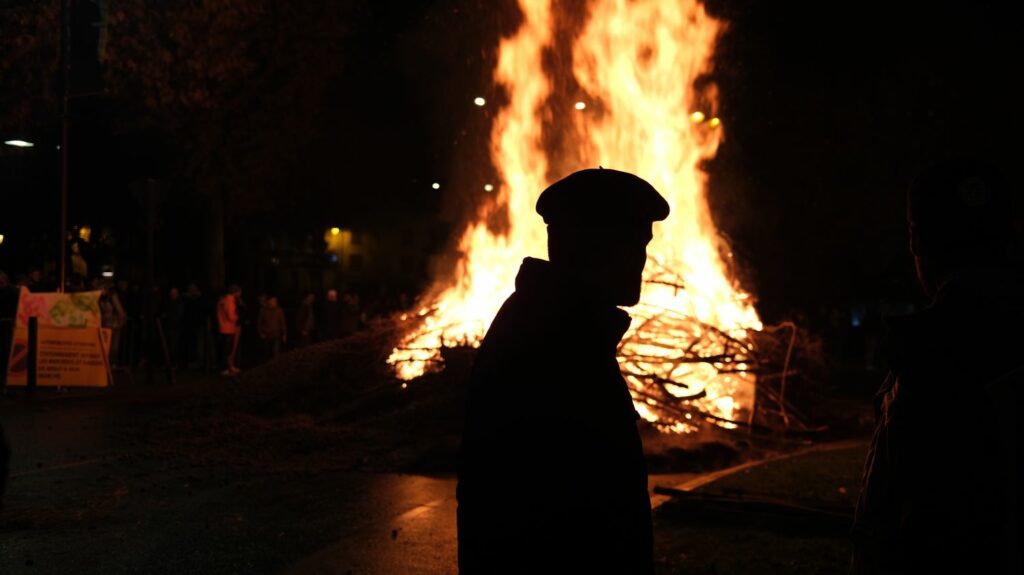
(636, 63)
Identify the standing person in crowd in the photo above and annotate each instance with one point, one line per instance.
(131, 334)
(194, 318)
(8, 308)
(5, 457)
(174, 321)
(112, 317)
(229, 328)
(305, 319)
(152, 311)
(349, 319)
(330, 324)
(5, 290)
(35, 282)
(8, 297)
(272, 327)
(936, 497)
(248, 336)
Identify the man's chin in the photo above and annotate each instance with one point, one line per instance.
(628, 300)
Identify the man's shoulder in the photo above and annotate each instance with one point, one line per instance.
(522, 320)
(515, 339)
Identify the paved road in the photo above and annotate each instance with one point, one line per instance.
(418, 540)
(84, 498)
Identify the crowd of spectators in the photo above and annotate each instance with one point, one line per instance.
(194, 329)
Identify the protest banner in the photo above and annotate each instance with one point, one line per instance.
(72, 347)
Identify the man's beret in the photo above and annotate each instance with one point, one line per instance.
(601, 196)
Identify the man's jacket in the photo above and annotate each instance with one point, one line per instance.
(552, 477)
(936, 494)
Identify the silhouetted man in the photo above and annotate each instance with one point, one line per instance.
(552, 477)
(941, 482)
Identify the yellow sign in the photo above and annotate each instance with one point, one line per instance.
(65, 357)
(72, 349)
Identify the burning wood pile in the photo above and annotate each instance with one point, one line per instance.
(661, 382)
(642, 100)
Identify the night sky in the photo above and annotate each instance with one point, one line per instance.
(829, 110)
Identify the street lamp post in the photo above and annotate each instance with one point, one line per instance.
(65, 88)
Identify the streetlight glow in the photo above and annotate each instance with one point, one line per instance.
(19, 143)
(488, 188)
(335, 231)
(479, 101)
(697, 116)
(1, 239)
(714, 122)
(581, 105)
(436, 186)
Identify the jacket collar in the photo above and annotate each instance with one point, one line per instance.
(971, 300)
(539, 281)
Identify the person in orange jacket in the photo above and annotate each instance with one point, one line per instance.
(228, 327)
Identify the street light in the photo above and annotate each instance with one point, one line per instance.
(1, 239)
(488, 188)
(436, 186)
(479, 101)
(19, 143)
(581, 105)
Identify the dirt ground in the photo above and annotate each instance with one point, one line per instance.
(706, 539)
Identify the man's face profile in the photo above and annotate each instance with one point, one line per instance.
(626, 258)
(608, 260)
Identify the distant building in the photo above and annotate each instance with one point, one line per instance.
(370, 260)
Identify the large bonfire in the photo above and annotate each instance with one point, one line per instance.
(640, 103)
